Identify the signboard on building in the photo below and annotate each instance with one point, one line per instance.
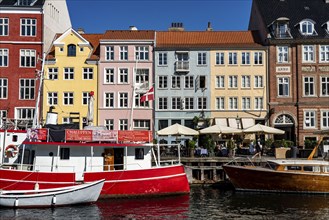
(283, 69)
(134, 136)
(78, 135)
(105, 135)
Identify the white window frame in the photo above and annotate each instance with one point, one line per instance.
(28, 112)
(4, 26)
(176, 103)
(233, 82)
(28, 27)
(282, 54)
(202, 103)
(123, 124)
(52, 98)
(85, 98)
(188, 103)
(324, 118)
(202, 58)
(220, 103)
(138, 103)
(68, 73)
(246, 103)
(308, 53)
(109, 53)
(3, 88)
(258, 81)
(87, 73)
(233, 103)
(258, 58)
(28, 89)
(324, 86)
(68, 98)
(142, 53)
(309, 121)
(324, 54)
(188, 82)
(175, 82)
(109, 100)
(163, 103)
(4, 57)
(53, 73)
(123, 100)
(124, 53)
(163, 59)
(109, 123)
(109, 76)
(220, 58)
(306, 27)
(283, 83)
(27, 58)
(142, 75)
(142, 124)
(245, 81)
(163, 82)
(245, 58)
(233, 58)
(309, 83)
(259, 103)
(123, 76)
(220, 82)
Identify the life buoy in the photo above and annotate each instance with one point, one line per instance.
(11, 151)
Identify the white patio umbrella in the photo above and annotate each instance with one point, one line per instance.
(220, 129)
(177, 129)
(263, 129)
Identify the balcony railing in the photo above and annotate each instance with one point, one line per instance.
(182, 66)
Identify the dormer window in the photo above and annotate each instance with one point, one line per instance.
(71, 50)
(280, 28)
(25, 2)
(306, 27)
(326, 26)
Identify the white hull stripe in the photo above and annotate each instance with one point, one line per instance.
(108, 181)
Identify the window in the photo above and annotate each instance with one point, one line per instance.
(25, 113)
(71, 50)
(3, 114)
(202, 82)
(27, 89)
(53, 73)
(258, 58)
(4, 57)
(308, 53)
(68, 98)
(64, 153)
(163, 124)
(220, 103)
(67, 120)
(258, 103)
(123, 53)
(25, 2)
(175, 82)
(309, 86)
(52, 98)
(309, 119)
(88, 73)
(176, 103)
(258, 82)
(233, 58)
(245, 81)
(4, 26)
(188, 103)
(123, 100)
(324, 85)
(27, 58)
(219, 58)
(202, 103)
(163, 82)
(109, 124)
(245, 103)
(163, 59)
(282, 54)
(28, 27)
(245, 58)
(283, 87)
(123, 124)
(233, 81)
(81, 49)
(202, 58)
(85, 98)
(109, 53)
(68, 73)
(139, 153)
(108, 100)
(109, 76)
(123, 76)
(142, 76)
(233, 103)
(138, 102)
(307, 28)
(189, 82)
(324, 53)
(142, 53)
(3, 88)
(141, 124)
(325, 119)
(220, 81)
(163, 103)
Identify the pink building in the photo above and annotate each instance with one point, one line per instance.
(125, 74)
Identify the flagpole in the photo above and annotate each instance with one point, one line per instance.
(133, 95)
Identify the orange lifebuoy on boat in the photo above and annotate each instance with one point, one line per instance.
(11, 151)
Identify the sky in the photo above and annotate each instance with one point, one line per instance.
(97, 16)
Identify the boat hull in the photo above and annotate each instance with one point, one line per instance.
(146, 182)
(258, 179)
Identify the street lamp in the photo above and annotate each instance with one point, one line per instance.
(238, 121)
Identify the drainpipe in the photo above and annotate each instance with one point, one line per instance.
(297, 97)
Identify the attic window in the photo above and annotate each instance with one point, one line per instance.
(281, 30)
(25, 2)
(306, 27)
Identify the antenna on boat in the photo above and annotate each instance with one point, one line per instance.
(40, 75)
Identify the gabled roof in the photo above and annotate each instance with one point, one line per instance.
(206, 39)
(123, 35)
(295, 11)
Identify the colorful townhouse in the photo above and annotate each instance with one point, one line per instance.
(238, 79)
(297, 35)
(182, 79)
(71, 77)
(25, 26)
(125, 74)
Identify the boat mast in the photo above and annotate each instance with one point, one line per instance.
(35, 123)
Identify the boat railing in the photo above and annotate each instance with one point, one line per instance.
(31, 167)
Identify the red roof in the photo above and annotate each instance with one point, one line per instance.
(128, 35)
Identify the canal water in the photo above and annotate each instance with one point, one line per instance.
(203, 203)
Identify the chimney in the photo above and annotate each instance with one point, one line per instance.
(176, 26)
(209, 28)
(81, 31)
(133, 28)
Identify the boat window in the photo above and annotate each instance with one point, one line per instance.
(293, 167)
(65, 153)
(272, 166)
(312, 169)
(139, 153)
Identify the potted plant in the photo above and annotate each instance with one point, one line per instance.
(230, 147)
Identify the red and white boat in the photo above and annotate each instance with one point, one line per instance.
(129, 169)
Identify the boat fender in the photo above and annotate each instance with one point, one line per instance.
(16, 202)
(11, 151)
(53, 202)
(36, 186)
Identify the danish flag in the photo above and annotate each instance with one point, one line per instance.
(149, 96)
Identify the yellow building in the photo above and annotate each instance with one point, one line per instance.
(238, 81)
(70, 76)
